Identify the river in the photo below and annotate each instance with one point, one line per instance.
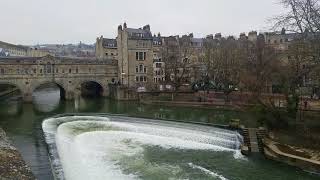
(22, 122)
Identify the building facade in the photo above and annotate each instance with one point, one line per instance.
(142, 65)
(8, 49)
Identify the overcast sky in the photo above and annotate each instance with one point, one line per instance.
(71, 21)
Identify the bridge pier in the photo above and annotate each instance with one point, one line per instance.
(27, 97)
(69, 95)
(105, 93)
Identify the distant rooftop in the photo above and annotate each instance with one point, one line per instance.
(111, 43)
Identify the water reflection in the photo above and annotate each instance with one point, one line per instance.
(23, 121)
(12, 108)
(84, 104)
(46, 99)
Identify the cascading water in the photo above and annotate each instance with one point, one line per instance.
(115, 147)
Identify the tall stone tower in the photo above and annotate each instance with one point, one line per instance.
(135, 56)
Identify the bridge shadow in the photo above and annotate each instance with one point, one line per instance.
(91, 89)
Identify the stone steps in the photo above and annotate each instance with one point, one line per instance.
(252, 138)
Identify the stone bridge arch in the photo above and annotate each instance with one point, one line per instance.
(61, 85)
(14, 83)
(101, 82)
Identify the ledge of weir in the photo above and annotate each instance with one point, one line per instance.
(221, 126)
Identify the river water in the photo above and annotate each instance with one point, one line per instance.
(169, 150)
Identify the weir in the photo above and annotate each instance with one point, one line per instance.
(116, 147)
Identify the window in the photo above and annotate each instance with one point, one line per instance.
(145, 70)
(141, 78)
(158, 65)
(137, 69)
(77, 70)
(107, 54)
(144, 78)
(137, 78)
(34, 71)
(69, 70)
(40, 71)
(111, 54)
(140, 56)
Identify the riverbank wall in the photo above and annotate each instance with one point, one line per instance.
(12, 166)
(297, 158)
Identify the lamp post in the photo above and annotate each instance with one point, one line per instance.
(122, 74)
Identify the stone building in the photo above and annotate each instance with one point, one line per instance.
(106, 48)
(13, 50)
(21, 51)
(135, 56)
(158, 64)
(142, 67)
(138, 54)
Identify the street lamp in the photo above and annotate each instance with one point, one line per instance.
(122, 74)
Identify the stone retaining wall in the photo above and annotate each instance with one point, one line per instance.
(272, 152)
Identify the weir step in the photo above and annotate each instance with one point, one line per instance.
(253, 140)
(253, 137)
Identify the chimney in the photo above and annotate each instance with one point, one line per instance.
(210, 36)
(146, 27)
(217, 36)
(243, 36)
(119, 28)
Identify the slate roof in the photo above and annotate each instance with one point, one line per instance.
(109, 43)
(138, 33)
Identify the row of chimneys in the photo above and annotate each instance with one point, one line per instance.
(146, 27)
(216, 36)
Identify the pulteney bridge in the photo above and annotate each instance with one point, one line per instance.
(69, 74)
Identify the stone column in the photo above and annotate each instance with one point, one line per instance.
(106, 91)
(69, 95)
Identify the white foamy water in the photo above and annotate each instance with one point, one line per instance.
(213, 174)
(86, 147)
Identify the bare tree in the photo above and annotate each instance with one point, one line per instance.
(259, 65)
(302, 15)
(176, 56)
(223, 65)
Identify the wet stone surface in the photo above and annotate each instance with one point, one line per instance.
(12, 165)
